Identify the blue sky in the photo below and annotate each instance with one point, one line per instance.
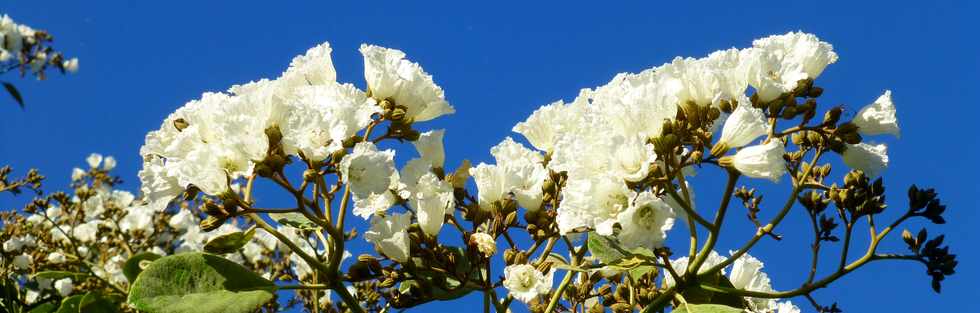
(497, 63)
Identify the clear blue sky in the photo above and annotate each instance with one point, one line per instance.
(141, 60)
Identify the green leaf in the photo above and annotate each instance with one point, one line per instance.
(706, 308)
(14, 93)
(293, 219)
(605, 248)
(132, 267)
(70, 304)
(93, 302)
(199, 283)
(229, 243)
(56, 275)
(46, 307)
(646, 267)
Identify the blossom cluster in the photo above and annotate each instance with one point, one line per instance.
(25, 45)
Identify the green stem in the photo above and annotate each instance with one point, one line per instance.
(713, 233)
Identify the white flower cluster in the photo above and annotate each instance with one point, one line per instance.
(14, 38)
(601, 139)
(218, 138)
(110, 225)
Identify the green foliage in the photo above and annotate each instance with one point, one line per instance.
(199, 283)
(294, 219)
(229, 243)
(132, 267)
(637, 262)
(93, 302)
(71, 304)
(14, 93)
(706, 308)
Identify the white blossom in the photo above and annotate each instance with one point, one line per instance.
(430, 147)
(56, 257)
(64, 286)
(389, 235)
(744, 125)
(747, 274)
(762, 161)
(646, 222)
(392, 77)
(870, 158)
(22, 261)
(315, 67)
(12, 245)
(544, 126)
(321, 117)
(680, 264)
(593, 203)
(432, 199)
(775, 64)
(94, 160)
(369, 171)
(484, 242)
(70, 65)
(878, 117)
(373, 204)
(525, 282)
(86, 232)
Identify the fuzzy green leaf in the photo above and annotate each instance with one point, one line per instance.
(229, 243)
(56, 275)
(199, 283)
(132, 267)
(706, 308)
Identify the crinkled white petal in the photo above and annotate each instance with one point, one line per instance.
(878, 117)
(390, 76)
(762, 161)
(870, 158)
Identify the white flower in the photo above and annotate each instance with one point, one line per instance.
(544, 126)
(94, 160)
(484, 242)
(430, 147)
(183, 220)
(680, 265)
(524, 166)
(12, 245)
(109, 163)
(871, 159)
(315, 67)
(158, 186)
(64, 286)
(70, 65)
(777, 63)
(762, 161)
(389, 234)
(744, 125)
(646, 222)
(747, 274)
(138, 218)
(431, 200)
(23, 261)
(878, 117)
(77, 174)
(786, 307)
(493, 183)
(392, 77)
(56, 257)
(373, 204)
(86, 232)
(321, 117)
(593, 203)
(369, 171)
(525, 283)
